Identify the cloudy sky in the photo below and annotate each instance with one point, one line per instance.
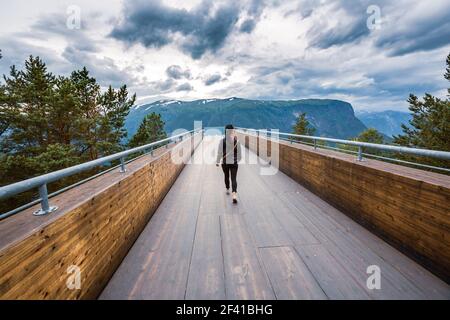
(369, 53)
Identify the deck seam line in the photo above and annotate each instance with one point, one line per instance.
(264, 269)
(258, 254)
(331, 241)
(393, 265)
(341, 229)
(293, 242)
(277, 246)
(312, 273)
(223, 257)
(295, 249)
(258, 257)
(193, 240)
(290, 213)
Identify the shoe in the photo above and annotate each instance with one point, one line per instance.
(234, 197)
(228, 190)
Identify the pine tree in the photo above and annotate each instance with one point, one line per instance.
(87, 91)
(49, 123)
(25, 103)
(429, 126)
(102, 116)
(302, 126)
(370, 135)
(115, 107)
(150, 130)
(447, 72)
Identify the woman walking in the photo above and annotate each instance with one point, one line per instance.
(229, 153)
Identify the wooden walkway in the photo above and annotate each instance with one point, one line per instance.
(279, 242)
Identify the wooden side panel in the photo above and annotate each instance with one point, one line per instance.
(407, 207)
(92, 231)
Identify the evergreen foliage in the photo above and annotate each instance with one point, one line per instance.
(150, 130)
(50, 122)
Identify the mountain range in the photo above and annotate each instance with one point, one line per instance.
(330, 118)
(388, 122)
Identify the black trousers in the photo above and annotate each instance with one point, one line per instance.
(230, 170)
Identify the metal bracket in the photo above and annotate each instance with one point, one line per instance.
(360, 157)
(45, 206)
(122, 166)
(42, 212)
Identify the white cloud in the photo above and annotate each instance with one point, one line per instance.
(292, 49)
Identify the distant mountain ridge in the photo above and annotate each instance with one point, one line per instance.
(388, 122)
(331, 118)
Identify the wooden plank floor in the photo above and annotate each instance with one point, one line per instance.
(279, 242)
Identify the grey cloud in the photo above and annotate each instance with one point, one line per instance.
(254, 11)
(104, 70)
(351, 27)
(55, 24)
(15, 52)
(304, 8)
(211, 79)
(337, 36)
(168, 85)
(176, 72)
(247, 26)
(420, 34)
(154, 24)
(164, 86)
(416, 30)
(184, 87)
(16, 48)
(79, 51)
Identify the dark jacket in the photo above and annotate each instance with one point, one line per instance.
(229, 151)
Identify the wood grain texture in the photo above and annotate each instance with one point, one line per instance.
(280, 241)
(94, 227)
(330, 274)
(206, 278)
(289, 276)
(407, 207)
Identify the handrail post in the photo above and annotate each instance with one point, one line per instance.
(45, 206)
(315, 144)
(122, 165)
(360, 158)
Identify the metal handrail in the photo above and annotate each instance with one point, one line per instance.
(370, 155)
(415, 151)
(59, 191)
(42, 180)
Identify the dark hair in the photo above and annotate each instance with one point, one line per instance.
(229, 127)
